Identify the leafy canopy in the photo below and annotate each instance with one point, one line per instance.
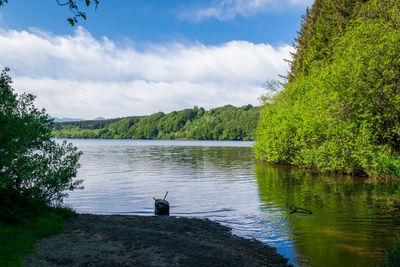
(340, 110)
(222, 123)
(35, 171)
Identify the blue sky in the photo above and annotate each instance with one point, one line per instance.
(139, 57)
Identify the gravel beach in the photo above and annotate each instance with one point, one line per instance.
(128, 240)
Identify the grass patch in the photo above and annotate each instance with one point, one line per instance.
(17, 241)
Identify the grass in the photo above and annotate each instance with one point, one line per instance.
(17, 241)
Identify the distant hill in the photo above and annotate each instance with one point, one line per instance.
(222, 123)
(74, 119)
(100, 119)
(65, 119)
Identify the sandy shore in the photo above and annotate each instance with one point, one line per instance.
(116, 240)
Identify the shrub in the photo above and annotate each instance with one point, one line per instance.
(35, 171)
(343, 114)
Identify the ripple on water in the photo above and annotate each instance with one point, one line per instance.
(222, 181)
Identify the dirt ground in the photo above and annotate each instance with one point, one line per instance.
(119, 240)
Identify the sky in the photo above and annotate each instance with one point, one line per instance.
(144, 56)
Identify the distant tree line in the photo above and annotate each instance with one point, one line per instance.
(84, 124)
(222, 123)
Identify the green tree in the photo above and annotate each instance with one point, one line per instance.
(223, 123)
(341, 110)
(35, 171)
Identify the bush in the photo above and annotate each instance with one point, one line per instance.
(343, 114)
(35, 171)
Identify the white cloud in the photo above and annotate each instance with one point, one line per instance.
(229, 9)
(80, 76)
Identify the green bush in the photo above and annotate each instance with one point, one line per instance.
(343, 113)
(35, 171)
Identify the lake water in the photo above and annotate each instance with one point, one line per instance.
(351, 225)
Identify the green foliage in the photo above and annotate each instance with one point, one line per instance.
(35, 171)
(343, 112)
(90, 124)
(322, 25)
(272, 87)
(75, 10)
(17, 241)
(223, 123)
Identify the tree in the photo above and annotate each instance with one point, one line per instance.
(340, 111)
(35, 171)
(73, 5)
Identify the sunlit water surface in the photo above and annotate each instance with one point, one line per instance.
(351, 225)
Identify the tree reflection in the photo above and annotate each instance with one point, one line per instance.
(352, 221)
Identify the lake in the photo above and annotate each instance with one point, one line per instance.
(352, 220)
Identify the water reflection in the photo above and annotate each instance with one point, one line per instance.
(352, 221)
(351, 225)
(205, 179)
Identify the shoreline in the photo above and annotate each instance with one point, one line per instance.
(132, 240)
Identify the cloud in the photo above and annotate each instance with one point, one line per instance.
(80, 76)
(229, 9)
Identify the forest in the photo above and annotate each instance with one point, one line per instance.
(340, 107)
(222, 123)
